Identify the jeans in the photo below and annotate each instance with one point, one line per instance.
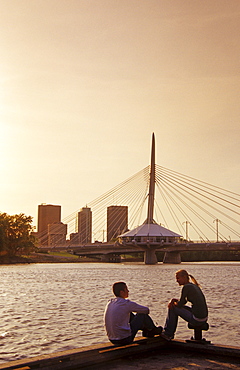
(184, 312)
(139, 321)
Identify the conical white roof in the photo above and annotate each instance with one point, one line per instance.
(150, 230)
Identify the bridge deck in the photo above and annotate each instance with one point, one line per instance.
(94, 249)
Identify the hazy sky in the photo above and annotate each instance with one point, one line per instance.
(84, 83)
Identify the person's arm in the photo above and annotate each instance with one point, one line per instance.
(183, 299)
(135, 307)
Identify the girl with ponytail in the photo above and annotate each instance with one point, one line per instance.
(196, 315)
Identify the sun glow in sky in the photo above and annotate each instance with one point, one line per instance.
(84, 83)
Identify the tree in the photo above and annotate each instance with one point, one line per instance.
(15, 234)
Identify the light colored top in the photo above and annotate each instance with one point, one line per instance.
(117, 316)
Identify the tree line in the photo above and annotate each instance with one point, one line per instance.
(16, 235)
(198, 256)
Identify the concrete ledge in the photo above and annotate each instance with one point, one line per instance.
(213, 349)
(86, 357)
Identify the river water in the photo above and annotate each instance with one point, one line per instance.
(47, 308)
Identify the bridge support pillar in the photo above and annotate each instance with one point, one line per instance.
(172, 257)
(150, 257)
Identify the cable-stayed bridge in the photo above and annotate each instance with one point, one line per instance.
(195, 209)
(200, 215)
(111, 252)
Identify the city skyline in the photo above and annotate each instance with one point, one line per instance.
(52, 231)
(84, 85)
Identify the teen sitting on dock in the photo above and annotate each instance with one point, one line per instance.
(120, 322)
(196, 315)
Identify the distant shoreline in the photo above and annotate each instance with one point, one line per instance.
(39, 258)
(52, 258)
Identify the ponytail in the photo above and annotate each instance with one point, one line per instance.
(194, 280)
(185, 273)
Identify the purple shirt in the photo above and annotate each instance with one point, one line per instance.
(117, 316)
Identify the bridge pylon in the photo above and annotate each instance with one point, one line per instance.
(150, 235)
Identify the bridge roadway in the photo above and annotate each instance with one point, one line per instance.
(118, 249)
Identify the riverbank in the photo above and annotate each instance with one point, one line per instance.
(53, 257)
(44, 258)
(65, 257)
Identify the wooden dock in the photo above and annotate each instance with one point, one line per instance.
(85, 357)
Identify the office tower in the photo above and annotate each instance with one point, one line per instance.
(57, 234)
(117, 221)
(47, 214)
(85, 225)
(74, 238)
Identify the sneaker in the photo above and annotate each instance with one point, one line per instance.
(158, 330)
(166, 337)
(150, 333)
(147, 334)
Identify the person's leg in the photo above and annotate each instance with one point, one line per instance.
(170, 323)
(186, 314)
(172, 319)
(141, 321)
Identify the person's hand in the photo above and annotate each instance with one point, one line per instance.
(172, 303)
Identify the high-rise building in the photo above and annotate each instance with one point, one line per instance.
(85, 225)
(57, 234)
(74, 238)
(117, 221)
(47, 214)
